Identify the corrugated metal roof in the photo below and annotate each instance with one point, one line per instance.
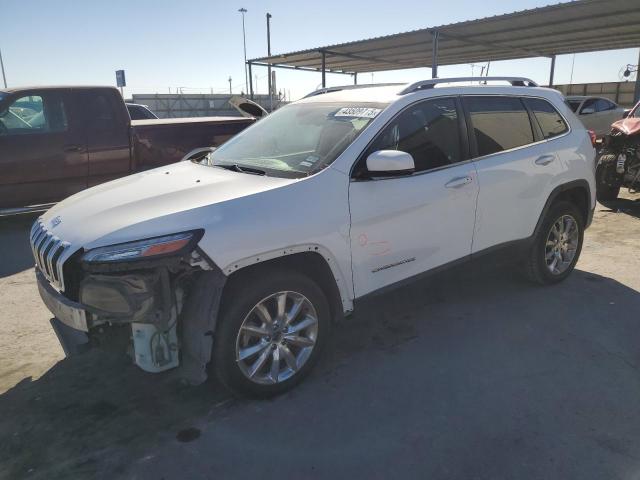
(572, 27)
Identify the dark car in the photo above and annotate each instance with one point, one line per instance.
(140, 112)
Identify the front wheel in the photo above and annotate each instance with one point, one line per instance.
(271, 332)
(557, 245)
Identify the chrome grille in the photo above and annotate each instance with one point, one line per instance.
(47, 250)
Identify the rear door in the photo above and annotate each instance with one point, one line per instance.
(43, 154)
(108, 134)
(516, 168)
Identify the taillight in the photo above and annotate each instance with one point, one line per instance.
(592, 136)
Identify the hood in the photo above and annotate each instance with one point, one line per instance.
(628, 126)
(179, 197)
(247, 108)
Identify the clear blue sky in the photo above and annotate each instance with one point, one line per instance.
(198, 43)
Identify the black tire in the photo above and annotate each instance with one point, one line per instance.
(604, 191)
(535, 267)
(240, 298)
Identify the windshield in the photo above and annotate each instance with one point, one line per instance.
(296, 140)
(574, 104)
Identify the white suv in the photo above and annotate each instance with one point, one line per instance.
(242, 257)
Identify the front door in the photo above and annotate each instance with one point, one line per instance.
(404, 225)
(43, 155)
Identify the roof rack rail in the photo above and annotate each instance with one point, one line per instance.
(427, 84)
(348, 87)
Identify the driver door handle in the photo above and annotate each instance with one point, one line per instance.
(458, 182)
(545, 159)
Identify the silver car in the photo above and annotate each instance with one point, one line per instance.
(596, 113)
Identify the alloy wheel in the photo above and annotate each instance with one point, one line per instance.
(276, 337)
(562, 244)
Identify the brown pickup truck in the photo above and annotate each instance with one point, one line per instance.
(56, 141)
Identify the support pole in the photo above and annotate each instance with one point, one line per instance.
(636, 93)
(435, 36)
(4, 77)
(269, 67)
(324, 75)
(355, 78)
(250, 81)
(552, 71)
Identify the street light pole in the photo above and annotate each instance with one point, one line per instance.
(269, 67)
(244, 42)
(4, 77)
(230, 93)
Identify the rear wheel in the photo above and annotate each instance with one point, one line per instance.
(604, 191)
(271, 332)
(557, 246)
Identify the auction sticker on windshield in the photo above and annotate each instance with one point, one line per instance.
(358, 112)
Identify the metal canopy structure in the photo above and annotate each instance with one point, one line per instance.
(573, 27)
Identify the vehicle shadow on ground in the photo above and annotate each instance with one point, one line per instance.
(89, 416)
(630, 206)
(14, 235)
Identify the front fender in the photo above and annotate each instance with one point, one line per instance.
(339, 277)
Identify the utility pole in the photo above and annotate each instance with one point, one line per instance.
(4, 77)
(244, 42)
(269, 67)
(230, 93)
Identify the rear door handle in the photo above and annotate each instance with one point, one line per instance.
(458, 182)
(545, 159)
(72, 148)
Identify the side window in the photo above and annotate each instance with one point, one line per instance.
(589, 106)
(101, 115)
(499, 123)
(429, 131)
(33, 114)
(603, 105)
(550, 121)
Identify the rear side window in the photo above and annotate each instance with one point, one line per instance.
(499, 123)
(550, 121)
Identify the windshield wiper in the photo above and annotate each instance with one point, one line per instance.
(237, 168)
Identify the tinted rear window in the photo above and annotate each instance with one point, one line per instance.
(499, 123)
(574, 104)
(551, 122)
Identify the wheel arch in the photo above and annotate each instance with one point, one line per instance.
(314, 261)
(577, 192)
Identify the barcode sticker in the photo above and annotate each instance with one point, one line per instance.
(358, 112)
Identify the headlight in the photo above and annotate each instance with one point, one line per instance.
(143, 249)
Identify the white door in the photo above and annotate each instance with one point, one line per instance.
(404, 225)
(516, 174)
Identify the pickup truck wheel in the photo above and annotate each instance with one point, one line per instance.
(556, 248)
(604, 191)
(270, 334)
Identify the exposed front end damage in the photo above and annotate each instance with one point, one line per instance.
(168, 307)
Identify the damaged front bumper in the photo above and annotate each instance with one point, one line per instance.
(172, 321)
(70, 318)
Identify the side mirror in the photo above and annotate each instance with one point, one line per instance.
(390, 161)
(198, 154)
(587, 111)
